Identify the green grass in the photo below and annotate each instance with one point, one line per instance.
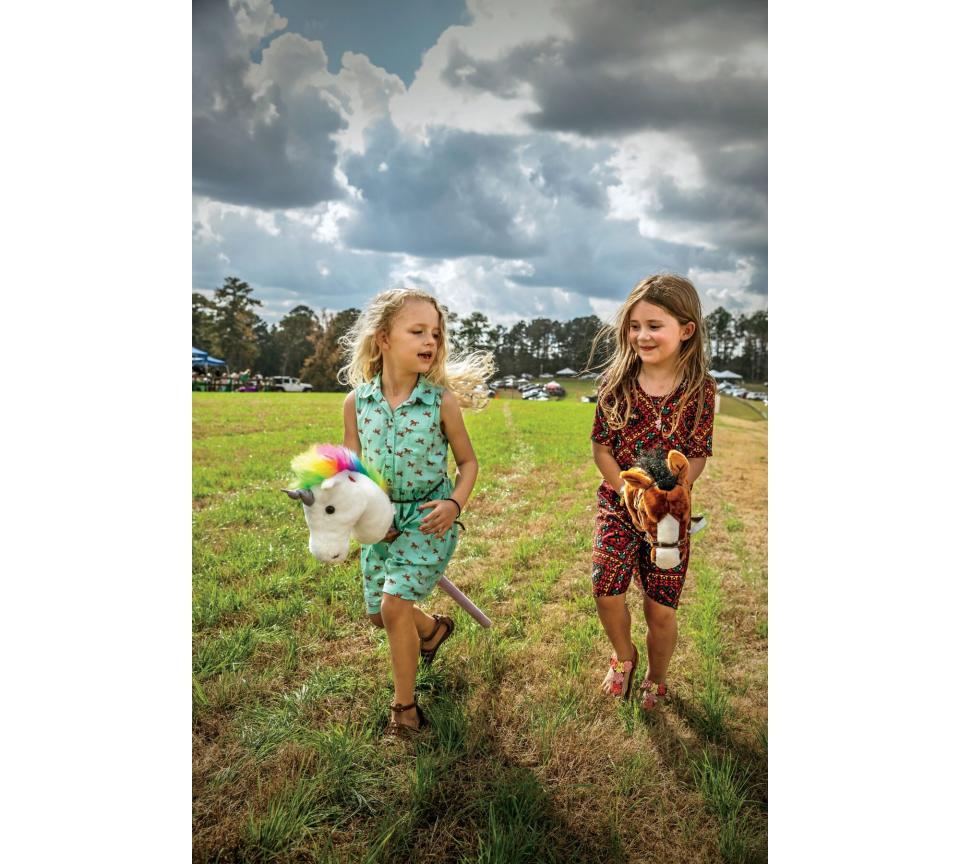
(523, 760)
(723, 784)
(711, 694)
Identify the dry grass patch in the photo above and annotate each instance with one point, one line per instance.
(524, 760)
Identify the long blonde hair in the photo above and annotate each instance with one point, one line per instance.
(465, 375)
(678, 297)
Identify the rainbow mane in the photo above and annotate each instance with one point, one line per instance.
(322, 461)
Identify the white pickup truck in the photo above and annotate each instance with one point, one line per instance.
(288, 385)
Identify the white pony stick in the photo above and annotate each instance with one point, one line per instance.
(464, 602)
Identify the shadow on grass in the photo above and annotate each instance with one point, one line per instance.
(469, 801)
(722, 768)
(752, 755)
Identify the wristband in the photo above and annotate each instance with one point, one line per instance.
(454, 500)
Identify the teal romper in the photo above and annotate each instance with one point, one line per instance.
(408, 448)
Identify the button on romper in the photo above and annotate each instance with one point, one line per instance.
(408, 447)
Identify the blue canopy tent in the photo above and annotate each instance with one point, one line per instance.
(202, 358)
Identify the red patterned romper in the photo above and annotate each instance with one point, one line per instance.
(619, 550)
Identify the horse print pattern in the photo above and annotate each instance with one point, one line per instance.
(408, 447)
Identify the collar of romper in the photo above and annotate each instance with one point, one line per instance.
(424, 391)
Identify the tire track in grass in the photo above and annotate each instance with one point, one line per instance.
(721, 776)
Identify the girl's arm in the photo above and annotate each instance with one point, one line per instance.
(610, 470)
(443, 513)
(697, 464)
(351, 437)
(603, 456)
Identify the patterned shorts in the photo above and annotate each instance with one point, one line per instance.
(411, 565)
(620, 552)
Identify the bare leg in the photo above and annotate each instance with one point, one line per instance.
(661, 638)
(615, 618)
(398, 620)
(424, 624)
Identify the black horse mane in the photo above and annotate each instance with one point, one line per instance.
(654, 463)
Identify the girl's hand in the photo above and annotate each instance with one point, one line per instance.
(391, 535)
(441, 517)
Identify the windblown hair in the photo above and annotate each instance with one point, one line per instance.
(323, 461)
(676, 296)
(465, 375)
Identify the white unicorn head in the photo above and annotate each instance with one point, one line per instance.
(340, 496)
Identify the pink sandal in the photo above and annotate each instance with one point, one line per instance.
(652, 693)
(620, 674)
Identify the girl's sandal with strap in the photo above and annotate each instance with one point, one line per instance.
(427, 654)
(396, 730)
(620, 675)
(652, 693)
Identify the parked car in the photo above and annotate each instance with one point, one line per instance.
(591, 398)
(286, 384)
(756, 394)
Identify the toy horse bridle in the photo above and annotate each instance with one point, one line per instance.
(695, 524)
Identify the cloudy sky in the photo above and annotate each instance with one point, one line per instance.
(518, 159)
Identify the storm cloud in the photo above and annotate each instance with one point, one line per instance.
(543, 158)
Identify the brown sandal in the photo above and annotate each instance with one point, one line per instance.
(395, 729)
(427, 654)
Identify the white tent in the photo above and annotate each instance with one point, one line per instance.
(725, 376)
(566, 371)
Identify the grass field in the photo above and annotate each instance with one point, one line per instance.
(524, 760)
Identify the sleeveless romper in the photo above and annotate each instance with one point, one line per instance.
(407, 446)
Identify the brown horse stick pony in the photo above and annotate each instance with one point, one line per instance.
(657, 496)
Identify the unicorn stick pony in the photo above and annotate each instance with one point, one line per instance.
(342, 495)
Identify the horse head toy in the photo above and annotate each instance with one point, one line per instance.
(657, 496)
(342, 496)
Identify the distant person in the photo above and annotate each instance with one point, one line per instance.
(655, 395)
(401, 415)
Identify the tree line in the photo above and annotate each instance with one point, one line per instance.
(306, 344)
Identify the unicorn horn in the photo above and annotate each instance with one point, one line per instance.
(304, 495)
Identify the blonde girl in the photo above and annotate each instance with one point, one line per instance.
(655, 395)
(401, 415)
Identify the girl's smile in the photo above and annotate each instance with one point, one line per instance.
(655, 334)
